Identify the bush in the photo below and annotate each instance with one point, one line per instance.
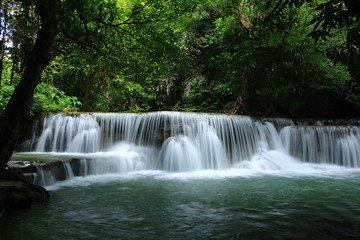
(5, 94)
(47, 99)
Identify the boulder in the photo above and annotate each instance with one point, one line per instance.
(17, 193)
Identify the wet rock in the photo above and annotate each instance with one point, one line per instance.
(44, 174)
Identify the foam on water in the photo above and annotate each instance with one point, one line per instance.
(311, 171)
(270, 163)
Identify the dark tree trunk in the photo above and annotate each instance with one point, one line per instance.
(1, 59)
(13, 68)
(18, 108)
(3, 42)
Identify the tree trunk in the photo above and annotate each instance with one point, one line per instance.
(3, 42)
(18, 108)
(243, 19)
(13, 68)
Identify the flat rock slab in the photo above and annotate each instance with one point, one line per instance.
(17, 184)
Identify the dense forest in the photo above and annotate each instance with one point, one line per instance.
(291, 58)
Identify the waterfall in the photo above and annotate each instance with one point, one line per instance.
(179, 142)
(69, 134)
(326, 144)
(68, 171)
(49, 174)
(197, 140)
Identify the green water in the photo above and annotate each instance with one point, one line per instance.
(156, 205)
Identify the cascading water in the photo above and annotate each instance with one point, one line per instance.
(69, 134)
(181, 142)
(328, 144)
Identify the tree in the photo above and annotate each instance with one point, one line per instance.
(131, 57)
(12, 119)
(113, 32)
(261, 55)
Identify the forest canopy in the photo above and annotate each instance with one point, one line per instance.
(292, 58)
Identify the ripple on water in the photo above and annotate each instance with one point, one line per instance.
(156, 207)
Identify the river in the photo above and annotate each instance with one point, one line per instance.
(192, 176)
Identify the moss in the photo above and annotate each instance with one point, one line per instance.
(35, 159)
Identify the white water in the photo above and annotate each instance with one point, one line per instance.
(331, 145)
(69, 134)
(175, 142)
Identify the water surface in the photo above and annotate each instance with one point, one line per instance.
(197, 205)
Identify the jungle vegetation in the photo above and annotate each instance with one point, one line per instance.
(292, 58)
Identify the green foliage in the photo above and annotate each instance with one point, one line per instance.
(353, 96)
(118, 94)
(293, 57)
(5, 94)
(47, 99)
(207, 99)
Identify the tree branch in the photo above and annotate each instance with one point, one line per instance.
(135, 13)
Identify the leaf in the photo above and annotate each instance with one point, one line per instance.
(314, 20)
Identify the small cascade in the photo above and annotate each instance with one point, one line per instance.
(121, 159)
(180, 154)
(68, 171)
(48, 174)
(43, 177)
(278, 123)
(179, 142)
(327, 144)
(69, 134)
